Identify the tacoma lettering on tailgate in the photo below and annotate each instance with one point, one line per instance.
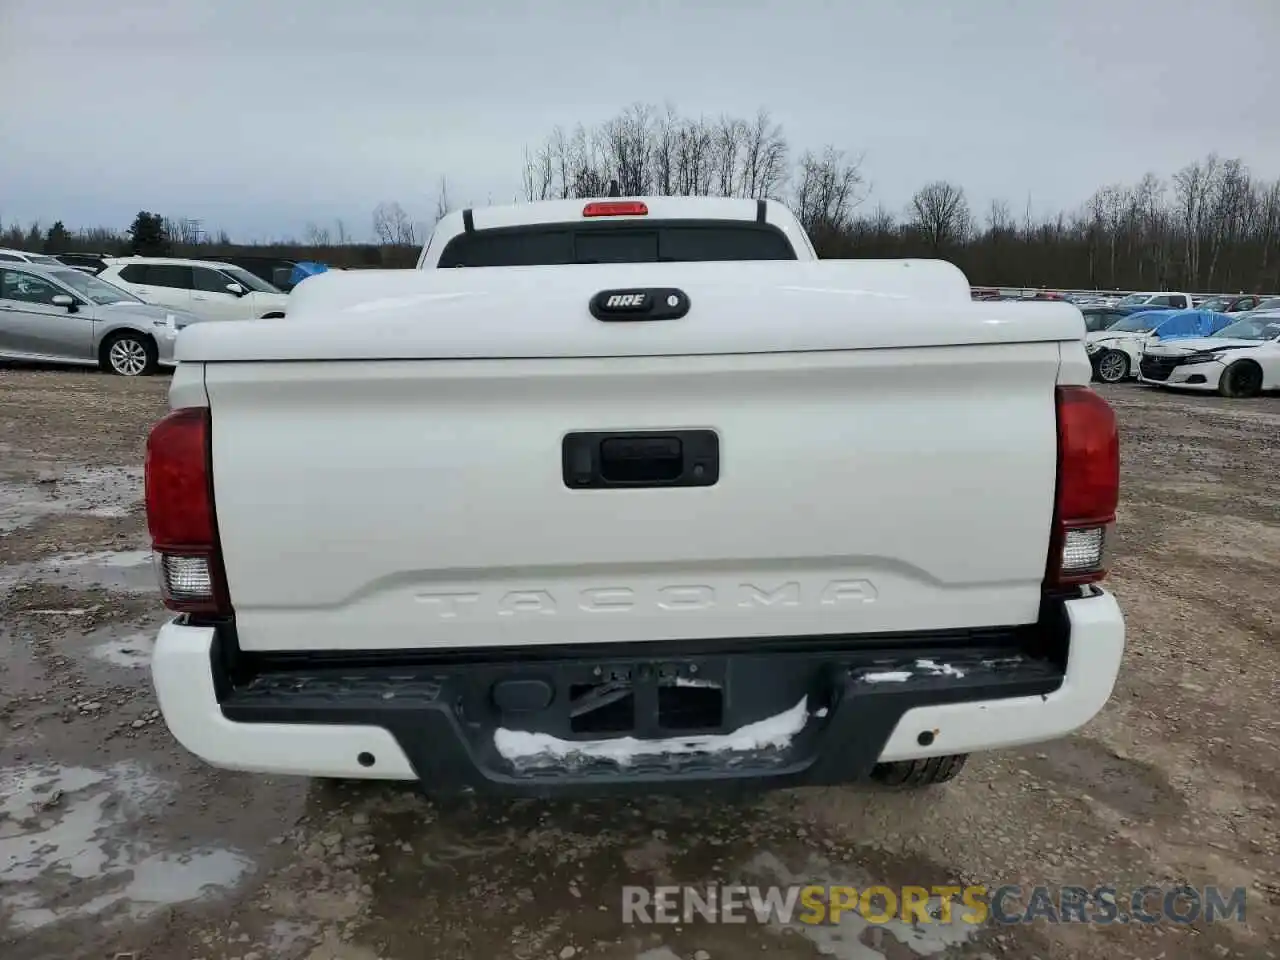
(673, 598)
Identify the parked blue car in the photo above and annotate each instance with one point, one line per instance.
(1115, 351)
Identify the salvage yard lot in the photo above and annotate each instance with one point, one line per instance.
(113, 839)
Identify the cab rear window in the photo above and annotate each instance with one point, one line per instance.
(629, 242)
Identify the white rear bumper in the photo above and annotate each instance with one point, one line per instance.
(183, 676)
(1093, 663)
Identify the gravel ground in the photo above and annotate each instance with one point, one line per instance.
(115, 841)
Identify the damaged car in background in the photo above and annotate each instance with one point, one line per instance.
(1114, 352)
(1240, 360)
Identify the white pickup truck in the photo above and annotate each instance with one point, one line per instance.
(588, 514)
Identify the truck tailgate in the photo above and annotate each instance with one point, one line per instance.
(420, 503)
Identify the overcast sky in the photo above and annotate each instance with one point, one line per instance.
(258, 116)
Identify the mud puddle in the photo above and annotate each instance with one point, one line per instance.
(65, 837)
(18, 667)
(551, 879)
(127, 571)
(109, 492)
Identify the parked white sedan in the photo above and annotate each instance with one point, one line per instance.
(1240, 360)
(210, 290)
(25, 256)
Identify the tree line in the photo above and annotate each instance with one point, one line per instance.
(1211, 225)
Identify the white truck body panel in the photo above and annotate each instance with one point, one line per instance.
(541, 312)
(886, 464)
(860, 492)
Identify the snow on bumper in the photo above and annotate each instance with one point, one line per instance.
(182, 669)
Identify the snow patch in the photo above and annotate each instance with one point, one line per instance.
(938, 669)
(106, 558)
(930, 668)
(524, 748)
(887, 676)
(132, 651)
(695, 682)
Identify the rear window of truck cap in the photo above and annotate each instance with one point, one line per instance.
(617, 241)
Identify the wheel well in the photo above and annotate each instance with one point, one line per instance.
(1227, 385)
(115, 335)
(1244, 362)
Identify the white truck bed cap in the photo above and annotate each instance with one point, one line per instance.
(543, 312)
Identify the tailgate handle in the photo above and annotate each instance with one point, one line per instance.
(646, 303)
(678, 458)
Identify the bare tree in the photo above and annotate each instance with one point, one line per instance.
(1092, 224)
(392, 226)
(562, 155)
(730, 137)
(628, 147)
(764, 161)
(999, 218)
(940, 213)
(882, 221)
(316, 235)
(342, 237)
(694, 159)
(1192, 186)
(1112, 201)
(99, 238)
(539, 174)
(1228, 209)
(442, 200)
(183, 231)
(587, 169)
(828, 192)
(1267, 233)
(648, 150)
(665, 147)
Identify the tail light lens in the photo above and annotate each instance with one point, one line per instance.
(1088, 488)
(180, 517)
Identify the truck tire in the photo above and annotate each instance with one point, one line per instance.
(907, 774)
(127, 353)
(1113, 366)
(1242, 379)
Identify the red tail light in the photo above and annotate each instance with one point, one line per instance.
(180, 517)
(1088, 488)
(616, 208)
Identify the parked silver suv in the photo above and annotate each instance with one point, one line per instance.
(63, 315)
